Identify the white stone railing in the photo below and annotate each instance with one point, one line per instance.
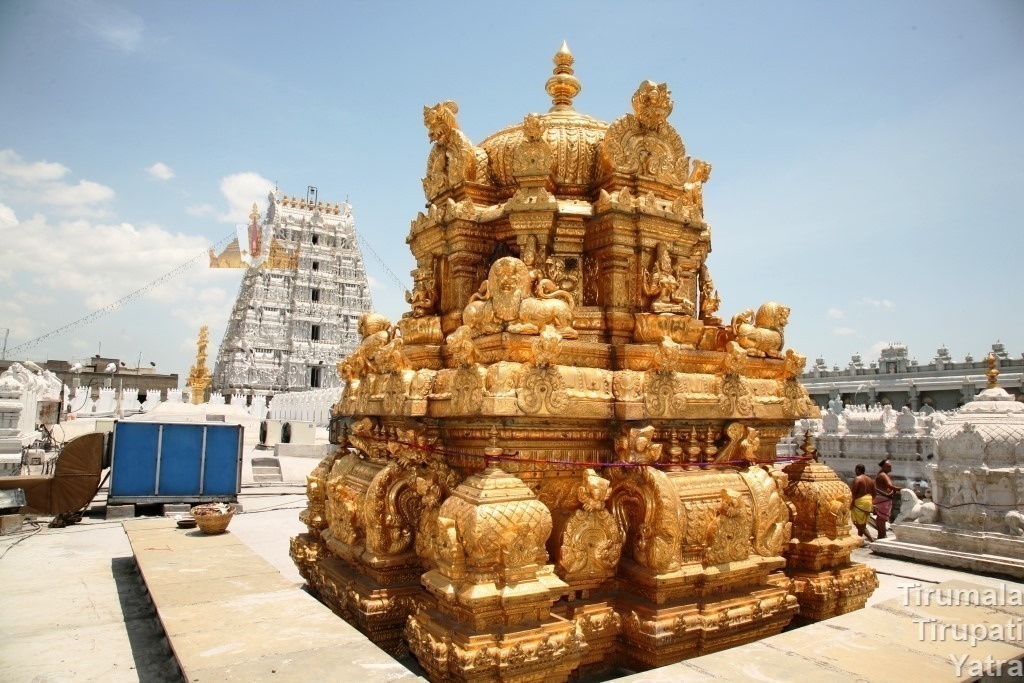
(305, 406)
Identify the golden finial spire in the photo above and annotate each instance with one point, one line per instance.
(993, 371)
(255, 215)
(563, 86)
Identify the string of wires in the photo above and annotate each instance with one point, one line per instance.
(123, 301)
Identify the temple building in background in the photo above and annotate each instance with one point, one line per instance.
(898, 380)
(299, 303)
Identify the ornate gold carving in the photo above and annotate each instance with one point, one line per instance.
(665, 289)
(199, 377)
(761, 336)
(504, 303)
(735, 398)
(423, 297)
(591, 541)
(645, 504)
(533, 156)
(595, 369)
(453, 158)
(729, 533)
(644, 142)
(742, 446)
(772, 526)
(375, 330)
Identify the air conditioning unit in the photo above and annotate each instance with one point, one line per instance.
(270, 433)
(302, 433)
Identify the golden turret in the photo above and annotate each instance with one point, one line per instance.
(563, 86)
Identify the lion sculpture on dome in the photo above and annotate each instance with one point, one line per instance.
(761, 336)
(375, 330)
(504, 302)
(453, 158)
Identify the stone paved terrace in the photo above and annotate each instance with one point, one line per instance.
(74, 608)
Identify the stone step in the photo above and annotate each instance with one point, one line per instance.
(266, 469)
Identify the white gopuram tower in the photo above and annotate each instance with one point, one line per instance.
(300, 300)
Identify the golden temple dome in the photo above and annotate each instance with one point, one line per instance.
(573, 137)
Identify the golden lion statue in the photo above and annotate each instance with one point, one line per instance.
(375, 330)
(505, 303)
(761, 336)
(453, 159)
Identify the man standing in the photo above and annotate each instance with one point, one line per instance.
(884, 491)
(863, 495)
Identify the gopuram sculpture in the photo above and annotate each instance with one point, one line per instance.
(565, 462)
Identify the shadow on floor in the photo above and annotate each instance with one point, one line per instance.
(150, 649)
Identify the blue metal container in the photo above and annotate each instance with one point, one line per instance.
(159, 462)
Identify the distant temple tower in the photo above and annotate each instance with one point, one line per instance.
(299, 303)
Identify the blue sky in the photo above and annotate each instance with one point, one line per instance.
(866, 155)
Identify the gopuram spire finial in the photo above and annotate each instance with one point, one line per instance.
(563, 86)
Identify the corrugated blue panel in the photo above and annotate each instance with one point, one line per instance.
(221, 477)
(134, 467)
(180, 459)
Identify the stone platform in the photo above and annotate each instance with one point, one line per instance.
(976, 551)
(893, 640)
(229, 615)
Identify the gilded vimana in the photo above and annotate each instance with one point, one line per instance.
(561, 460)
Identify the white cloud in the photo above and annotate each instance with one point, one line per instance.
(877, 347)
(834, 314)
(8, 219)
(199, 210)
(160, 171)
(85, 193)
(115, 26)
(39, 183)
(375, 284)
(242, 190)
(878, 303)
(12, 166)
(844, 331)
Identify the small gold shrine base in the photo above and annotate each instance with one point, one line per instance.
(826, 594)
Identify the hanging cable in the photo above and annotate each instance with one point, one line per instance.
(110, 308)
(391, 273)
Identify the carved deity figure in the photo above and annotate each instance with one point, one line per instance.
(421, 299)
(661, 284)
(637, 446)
(761, 336)
(555, 280)
(709, 299)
